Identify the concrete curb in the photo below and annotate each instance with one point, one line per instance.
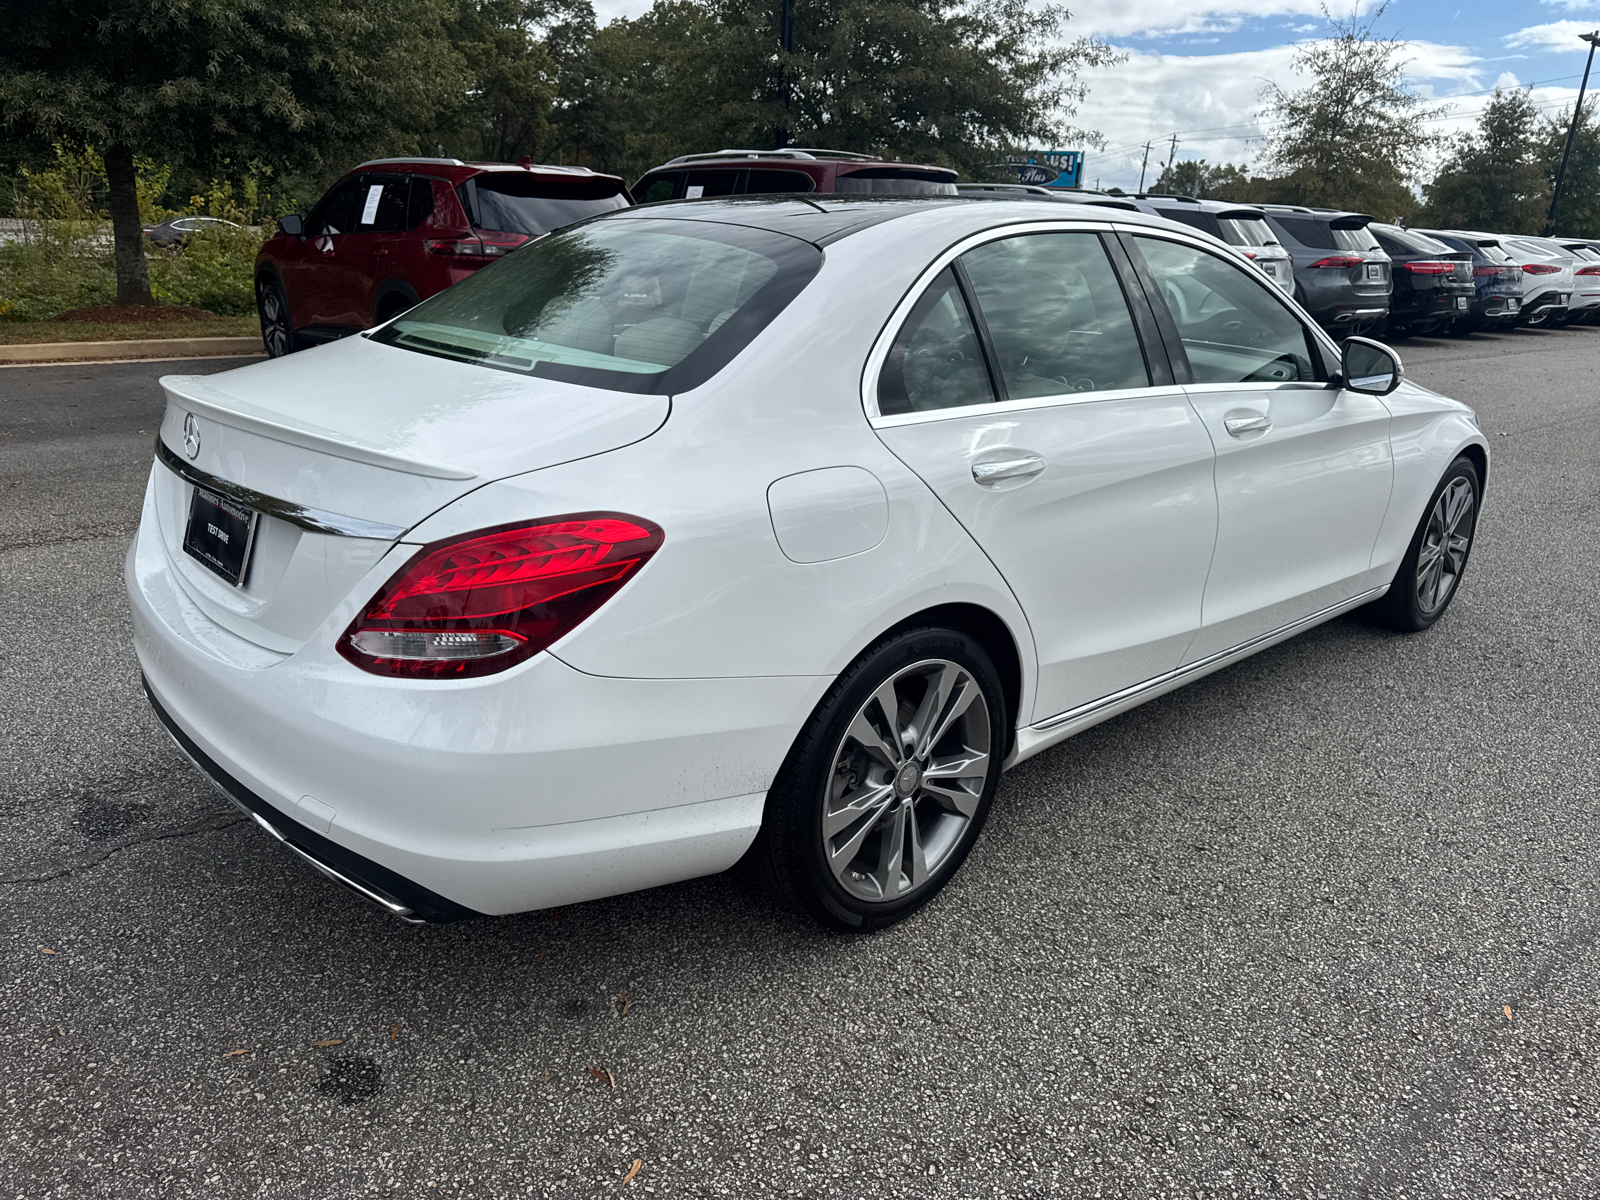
(199, 347)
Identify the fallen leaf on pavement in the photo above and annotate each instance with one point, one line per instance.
(1507, 1009)
(46, 950)
(235, 1053)
(329, 1042)
(394, 1034)
(556, 914)
(626, 1003)
(603, 1076)
(632, 1171)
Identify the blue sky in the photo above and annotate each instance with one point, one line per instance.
(1196, 67)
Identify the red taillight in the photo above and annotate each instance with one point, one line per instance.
(1539, 269)
(497, 244)
(1589, 271)
(1429, 267)
(478, 249)
(1339, 262)
(479, 604)
(1486, 270)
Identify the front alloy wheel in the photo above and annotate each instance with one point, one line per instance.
(888, 784)
(1430, 573)
(277, 332)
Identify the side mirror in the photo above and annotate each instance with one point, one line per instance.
(1370, 367)
(291, 224)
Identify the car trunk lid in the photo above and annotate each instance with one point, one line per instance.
(340, 451)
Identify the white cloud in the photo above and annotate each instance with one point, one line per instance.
(1154, 18)
(1557, 35)
(1213, 103)
(1575, 5)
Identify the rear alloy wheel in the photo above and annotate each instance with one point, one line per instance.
(888, 784)
(1430, 574)
(277, 332)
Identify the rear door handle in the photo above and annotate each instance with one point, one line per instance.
(380, 253)
(1239, 426)
(1007, 468)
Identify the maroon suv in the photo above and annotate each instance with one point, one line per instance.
(763, 172)
(396, 230)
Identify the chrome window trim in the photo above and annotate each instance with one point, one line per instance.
(1027, 404)
(316, 520)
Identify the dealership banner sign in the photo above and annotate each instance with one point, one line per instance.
(1053, 168)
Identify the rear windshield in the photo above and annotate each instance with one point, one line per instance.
(1194, 218)
(1306, 231)
(1245, 231)
(1354, 239)
(632, 305)
(1493, 252)
(513, 202)
(1395, 240)
(1587, 253)
(896, 181)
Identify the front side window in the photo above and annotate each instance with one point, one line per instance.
(936, 361)
(632, 305)
(1056, 315)
(655, 188)
(340, 210)
(1233, 328)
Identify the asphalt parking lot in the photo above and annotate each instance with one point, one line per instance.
(1322, 924)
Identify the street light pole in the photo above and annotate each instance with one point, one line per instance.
(1577, 109)
(786, 44)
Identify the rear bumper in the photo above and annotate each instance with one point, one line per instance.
(535, 788)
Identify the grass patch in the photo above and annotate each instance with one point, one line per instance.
(14, 333)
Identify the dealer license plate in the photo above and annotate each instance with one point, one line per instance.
(220, 534)
(1461, 303)
(1374, 270)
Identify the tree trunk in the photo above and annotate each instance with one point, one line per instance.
(127, 234)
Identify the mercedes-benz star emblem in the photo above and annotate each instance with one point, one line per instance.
(191, 436)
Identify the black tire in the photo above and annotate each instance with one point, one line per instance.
(277, 330)
(392, 307)
(1407, 606)
(791, 854)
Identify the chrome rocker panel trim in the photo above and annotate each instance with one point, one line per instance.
(1046, 733)
(315, 519)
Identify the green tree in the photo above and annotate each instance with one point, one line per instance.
(1579, 212)
(1354, 136)
(294, 84)
(1494, 177)
(956, 82)
(1203, 181)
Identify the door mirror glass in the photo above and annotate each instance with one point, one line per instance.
(1370, 367)
(291, 224)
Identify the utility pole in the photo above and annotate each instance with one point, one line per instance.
(1143, 165)
(786, 44)
(1577, 109)
(1172, 156)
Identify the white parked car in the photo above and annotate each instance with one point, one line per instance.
(766, 528)
(1548, 278)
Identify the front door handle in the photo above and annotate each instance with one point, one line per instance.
(1239, 426)
(1008, 468)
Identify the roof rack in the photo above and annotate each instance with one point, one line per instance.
(405, 158)
(791, 154)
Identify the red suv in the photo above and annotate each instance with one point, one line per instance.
(760, 172)
(396, 230)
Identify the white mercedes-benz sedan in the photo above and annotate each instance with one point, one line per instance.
(762, 529)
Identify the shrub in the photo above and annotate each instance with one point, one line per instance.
(212, 270)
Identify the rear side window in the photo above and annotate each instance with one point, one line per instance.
(1493, 252)
(1306, 231)
(1203, 221)
(521, 202)
(632, 305)
(936, 361)
(384, 203)
(1408, 241)
(1056, 315)
(698, 185)
(419, 204)
(896, 181)
(1234, 329)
